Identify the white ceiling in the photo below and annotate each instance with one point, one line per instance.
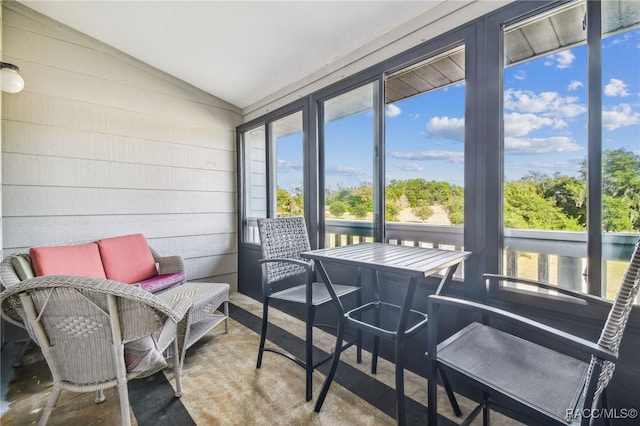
(239, 51)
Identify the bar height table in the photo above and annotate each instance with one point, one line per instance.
(411, 262)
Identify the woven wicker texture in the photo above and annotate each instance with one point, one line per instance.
(283, 238)
(618, 317)
(166, 264)
(82, 323)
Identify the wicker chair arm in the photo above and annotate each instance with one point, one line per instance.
(116, 288)
(8, 276)
(181, 307)
(570, 340)
(168, 264)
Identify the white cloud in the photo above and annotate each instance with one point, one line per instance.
(616, 87)
(620, 116)
(575, 84)
(570, 167)
(561, 60)
(546, 103)
(345, 171)
(410, 167)
(516, 124)
(452, 156)
(445, 127)
(520, 75)
(392, 111)
(540, 145)
(625, 37)
(286, 166)
(414, 116)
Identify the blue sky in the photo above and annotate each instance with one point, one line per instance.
(545, 123)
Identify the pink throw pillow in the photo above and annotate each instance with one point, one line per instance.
(160, 282)
(82, 259)
(127, 259)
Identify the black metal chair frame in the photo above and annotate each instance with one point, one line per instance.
(590, 391)
(309, 290)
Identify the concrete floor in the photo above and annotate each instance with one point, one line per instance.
(221, 386)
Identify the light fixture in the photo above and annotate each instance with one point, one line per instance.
(10, 79)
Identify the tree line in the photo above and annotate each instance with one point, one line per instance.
(535, 201)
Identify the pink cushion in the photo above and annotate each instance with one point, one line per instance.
(127, 259)
(160, 282)
(81, 259)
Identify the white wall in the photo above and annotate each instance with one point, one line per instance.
(99, 144)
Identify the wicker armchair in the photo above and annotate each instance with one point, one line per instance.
(9, 278)
(82, 325)
(548, 386)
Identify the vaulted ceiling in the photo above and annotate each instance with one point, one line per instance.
(239, 51)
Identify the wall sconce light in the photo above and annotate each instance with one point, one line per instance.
(10, 79)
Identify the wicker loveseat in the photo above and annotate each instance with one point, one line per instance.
(128, 259)
(109, 275)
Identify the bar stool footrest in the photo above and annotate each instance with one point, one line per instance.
(417, 318)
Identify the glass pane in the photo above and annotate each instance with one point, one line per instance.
(349, 137)
(545, 147)
(255, 178)
(620, 139)
(287, 140)
(424, 124)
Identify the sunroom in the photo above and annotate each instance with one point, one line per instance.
(506, 130)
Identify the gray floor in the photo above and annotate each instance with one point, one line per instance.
(223, 387)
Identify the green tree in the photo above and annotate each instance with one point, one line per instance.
(526, 208)
(394, 190)
(615, 214)
(287, 204)
(423, 210)
(391, 211)
(338, 208)
(621, 180)
(360, 200)
(569, 194)
(455, 205)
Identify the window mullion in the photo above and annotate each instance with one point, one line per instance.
(594, 156)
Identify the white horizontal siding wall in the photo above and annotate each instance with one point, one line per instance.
(100, 144)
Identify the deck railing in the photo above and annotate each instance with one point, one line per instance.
(553, 256)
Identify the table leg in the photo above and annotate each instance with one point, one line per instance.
(359, 303)
(446, 278)
(376, 319)
(308, 360)
(432, 371)
(340, 335)
(309, 352)
(399, 361)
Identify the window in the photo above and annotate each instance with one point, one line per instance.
(287, 137)
(255, 181)
(424, 130)
(547, 171)
(620, 139)
(349, 140)
(549, 150)
(273, 177)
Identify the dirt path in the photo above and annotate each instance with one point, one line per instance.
(439, 216)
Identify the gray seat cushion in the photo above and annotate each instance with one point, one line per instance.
(520, 369)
